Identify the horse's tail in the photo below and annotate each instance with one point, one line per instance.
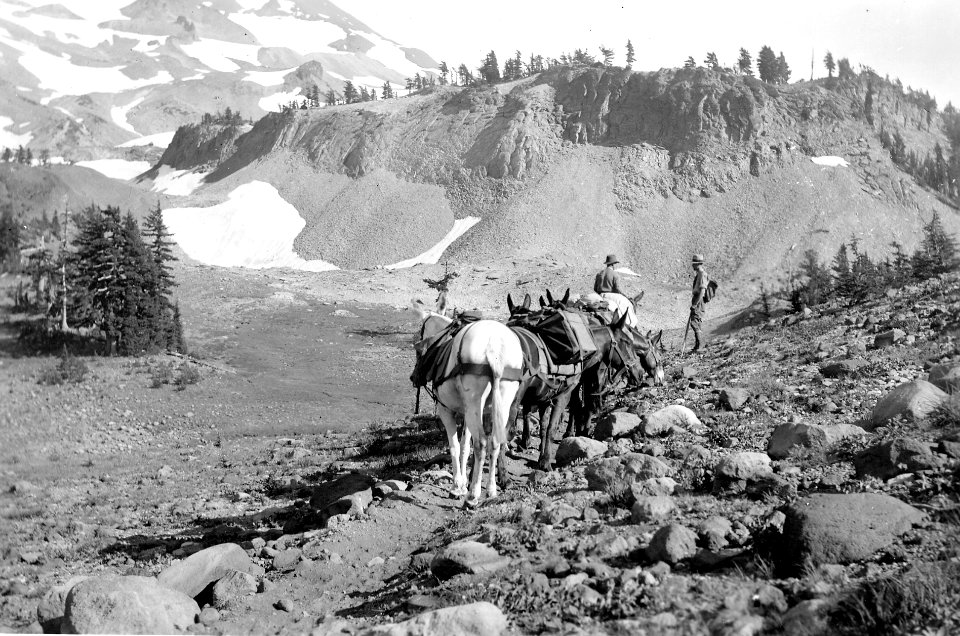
(499, 410)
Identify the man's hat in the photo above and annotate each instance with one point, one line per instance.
(611, 259)
(698, 259)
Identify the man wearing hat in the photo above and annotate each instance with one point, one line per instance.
(608, 280)
(696, 303)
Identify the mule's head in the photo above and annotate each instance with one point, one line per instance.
(623, 356)
(557, 303)
(519, 310)
(648, 349)
(431, 322)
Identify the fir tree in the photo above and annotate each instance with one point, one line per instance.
(783, 70)
(7, 156)
(690, 63)
(9, 240)
(631, 56)
(829, 63)
(711, 61)
(331, 97)
(176, 340)
(745, 62)
(844, 70)
(844, 284)
(768, 66)
(444, 72)
(938, 252)
(387, 91)
(350, 94)
(607, 55)
(490, 68)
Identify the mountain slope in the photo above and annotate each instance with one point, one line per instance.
(578, 162)
(118, 70)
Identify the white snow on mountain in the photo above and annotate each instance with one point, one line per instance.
(432, 255)
(119, 115)
(267, 78)
(302, 36)
(274, 102)
(219, 55)
(179, 183)
(117, 168)
(10, 139)
(160, 140)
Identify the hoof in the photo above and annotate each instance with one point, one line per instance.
(471, 503)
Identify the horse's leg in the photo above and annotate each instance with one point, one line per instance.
(459, 468)
(475, 391)
(506, 392)
(546, 435)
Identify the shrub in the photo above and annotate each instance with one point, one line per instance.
(188, 375)
(68, 370)
(161, 374)
(947, 415)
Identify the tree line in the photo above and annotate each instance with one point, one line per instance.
(24, 156)
(110, 276)
(853, 277)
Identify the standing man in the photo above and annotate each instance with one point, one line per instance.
(608, 280)
(697, 302)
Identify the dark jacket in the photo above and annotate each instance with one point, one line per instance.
(607, 281)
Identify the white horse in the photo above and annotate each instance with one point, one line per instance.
(619, 305)
(486, 361)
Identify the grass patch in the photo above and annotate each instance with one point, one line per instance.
(69, 370)
(188, 375)
(925, 597)
(947, 415)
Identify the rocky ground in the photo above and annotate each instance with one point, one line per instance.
(799, 477)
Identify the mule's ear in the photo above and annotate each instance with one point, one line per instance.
(419, 308)
(510, 306)
(442, 302)
(549, 297)
(638, 297)
(619, 322)
(566, 297)
(543, 303)
(526, 301)
(656, 339)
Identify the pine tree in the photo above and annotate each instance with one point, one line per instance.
(176, 340)
(350, 94)
(444, 72)
(745, 62)
(607, 55)
(331, 97)
(364, 95)
(938, 252)
(161, 250)
(690, 63)
(829, 63)
(844, 70)
(387, 91)
(842, 274)
(517, 65)
(21, 155)
(768, 66)
(7, 156)
(712, 62)
(490, 68)
(783, 70)
(9, 240)
(631, 56)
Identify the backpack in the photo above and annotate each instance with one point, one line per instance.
(710, 291)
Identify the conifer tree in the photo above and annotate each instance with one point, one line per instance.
(176, 340)
(938, 252)
(9, 240)
(607, 55)
(842, 274)
(712, 62)
(387, 91)
(631, 55)
(490, 68)
(7, 156)
(690, 63)
(444, 72)
(829, 63)
(745, 62)
(350, 94)
(783, 70)
(768, 66)
(331, 97)
(844, 70)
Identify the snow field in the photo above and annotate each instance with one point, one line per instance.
(255, 228)
(119, 115)
(160, 140)
(117, 168)
(179, 183)
(9, 139)
(432, 255)
(833, 162)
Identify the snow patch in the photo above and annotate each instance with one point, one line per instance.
(10, 139)
(219, 54)
(274, 102)
(390, 55)
(252, 5)
(255, 227)
(302, 36)
(160, 140)
(267, 78)
(117, 168)
(119, 115)
(627, 271)
(179, 183)
(833, 162)
(432, 255)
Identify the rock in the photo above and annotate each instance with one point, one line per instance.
(209, 616)
(713, 532)
(474, 619)
(349, 494)
(164, 473)
(893, 457)
(615, 475)
(744, 466)
(556, 514)
(734, 398)
(654, 449)
(572, 449)
(199, 570)
(789, 436)
(127, 605)
(946, 377)
(672, 544)
(888, 338)
(285, 604)
(950, 445)
(807, 618)
(653, 509)
(843, 368)
(667, 419)
(839, 528)
(53, 605)
(469, 557)
(655, 486)
(287, 559)
(616, 424)
(232, 587)
(912, 400)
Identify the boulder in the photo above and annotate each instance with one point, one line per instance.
(807, 618)
(666, 419)
(572, 449)
(232, 587)
(839, 528)
(467, 557)
(474, 619)
(946, 377)
(53, 605)
(655, 486)
(672, 544)
(127, 605)
(193, 574)
(615, 475)
(616, 424)
(336, 497)
(891, 458)
(287, 560)
(912, 400)
(888, 338)
(713, 532)
(789, 436)
(843, 368)
(653, 509)
(734, 398)
(950, 445)
(744, 466)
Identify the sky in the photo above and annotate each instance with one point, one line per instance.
(917, 42)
